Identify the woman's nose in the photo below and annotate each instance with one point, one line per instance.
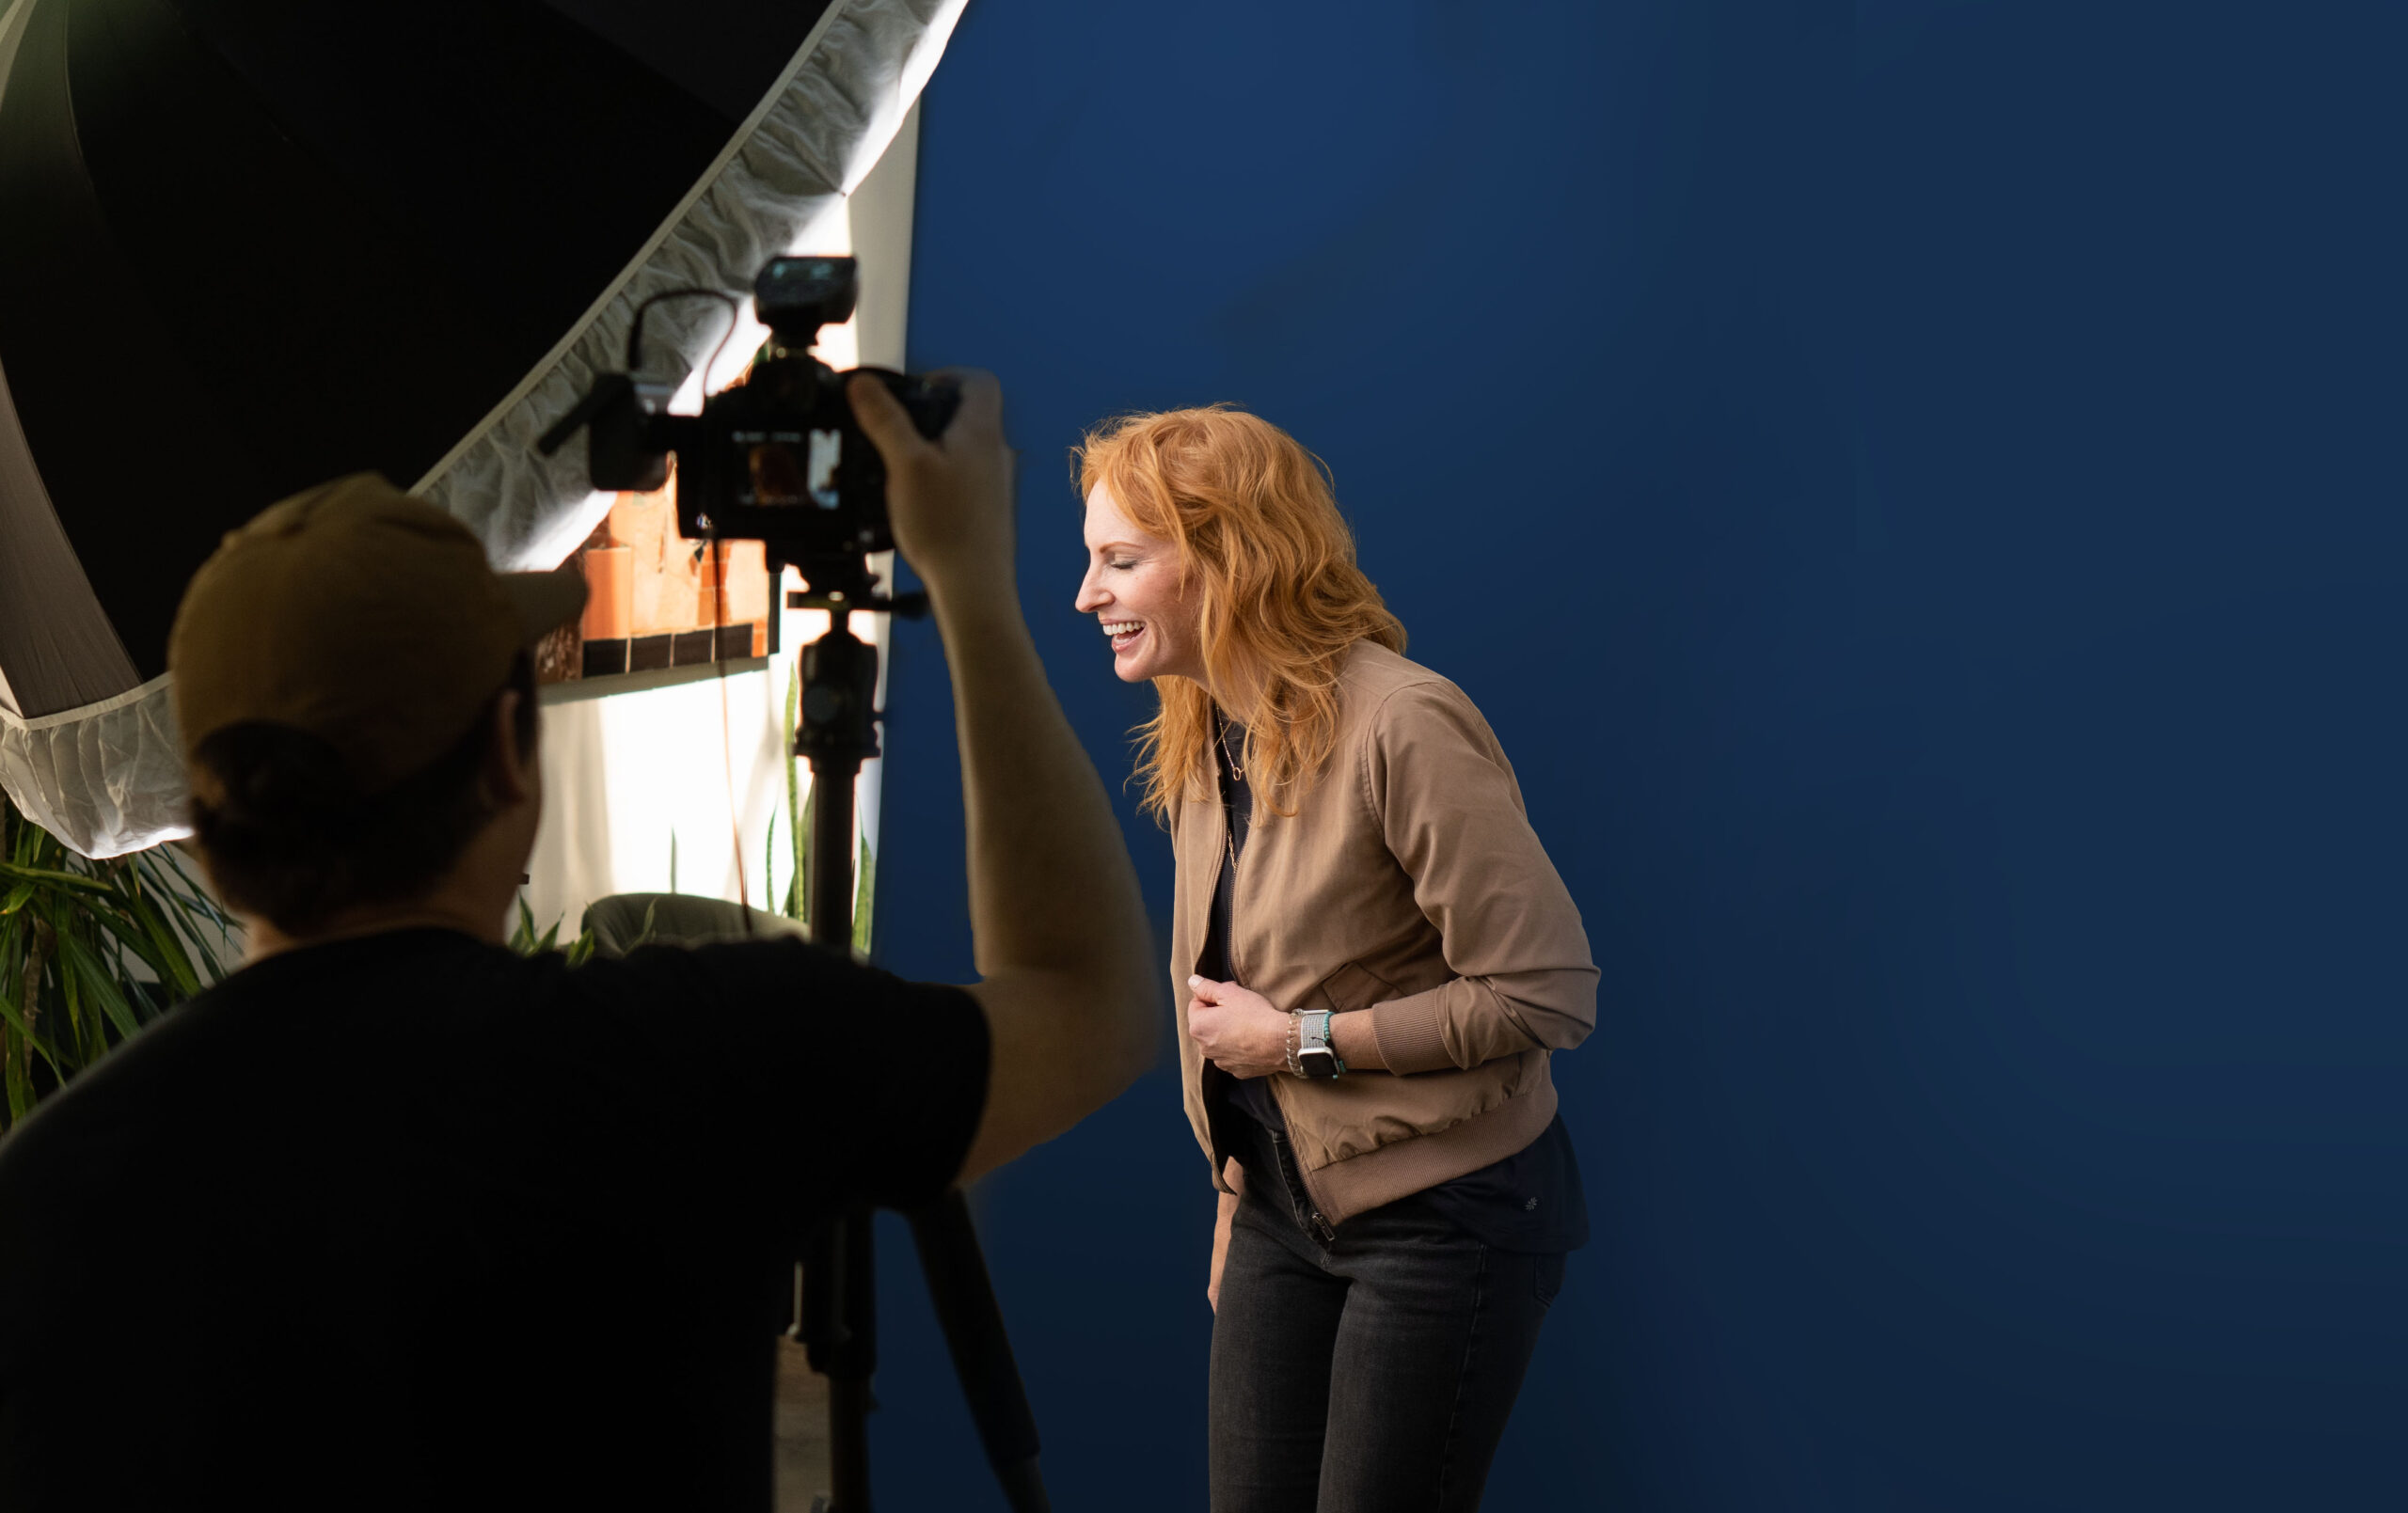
(1091, 596)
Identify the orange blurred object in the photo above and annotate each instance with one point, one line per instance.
(663, 564)
(610, 593)
(675, 585)
(743, 581)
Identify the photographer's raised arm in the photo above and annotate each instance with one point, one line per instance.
(1062, 945)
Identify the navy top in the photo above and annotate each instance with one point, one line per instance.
(1529, 1201)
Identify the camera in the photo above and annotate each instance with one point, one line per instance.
(779, 457)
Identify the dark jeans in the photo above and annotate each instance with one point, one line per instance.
(1364, 1370)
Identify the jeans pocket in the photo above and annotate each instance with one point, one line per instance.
(1548, 1278)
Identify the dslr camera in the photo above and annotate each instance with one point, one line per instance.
(779, 457)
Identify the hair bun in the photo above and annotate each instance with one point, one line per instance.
(277, 777)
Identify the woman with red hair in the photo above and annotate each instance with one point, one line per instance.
(1373, 959)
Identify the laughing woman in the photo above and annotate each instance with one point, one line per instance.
(1374, 959)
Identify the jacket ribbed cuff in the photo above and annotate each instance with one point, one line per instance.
(1410, 1035)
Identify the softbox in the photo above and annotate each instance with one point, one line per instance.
(247, 246)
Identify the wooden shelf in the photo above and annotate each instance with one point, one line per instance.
(576, 689)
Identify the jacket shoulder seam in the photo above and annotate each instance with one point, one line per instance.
(1371, 727)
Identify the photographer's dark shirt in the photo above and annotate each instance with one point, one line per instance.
(410, 1221)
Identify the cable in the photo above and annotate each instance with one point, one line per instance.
(635, 326)
(726, 726)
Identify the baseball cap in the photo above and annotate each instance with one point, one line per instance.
(361, 615)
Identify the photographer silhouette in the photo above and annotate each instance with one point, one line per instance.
(394, 1218)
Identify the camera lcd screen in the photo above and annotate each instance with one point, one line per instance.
(788, 469)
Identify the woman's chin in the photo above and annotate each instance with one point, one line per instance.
(1133, 664)
(1140, 663)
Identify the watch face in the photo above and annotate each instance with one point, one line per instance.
(1317, 1061)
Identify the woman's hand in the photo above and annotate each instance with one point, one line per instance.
(1237, 1029)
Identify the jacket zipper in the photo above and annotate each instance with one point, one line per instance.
(1237, 869)
(1328, 1231)
(1237, 972)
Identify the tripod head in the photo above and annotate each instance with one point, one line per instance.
(837, 730)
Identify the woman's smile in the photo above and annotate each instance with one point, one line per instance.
(1123, 634)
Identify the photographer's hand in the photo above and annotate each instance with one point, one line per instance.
(1063, 949)
(950, 498)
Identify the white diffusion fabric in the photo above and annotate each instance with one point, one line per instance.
(98, 769)
(107, 779)
(808, 144)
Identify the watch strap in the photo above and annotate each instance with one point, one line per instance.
(1313, 1047)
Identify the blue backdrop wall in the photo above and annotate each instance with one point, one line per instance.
(1918, 494)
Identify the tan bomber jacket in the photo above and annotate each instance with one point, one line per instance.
(1410, 884)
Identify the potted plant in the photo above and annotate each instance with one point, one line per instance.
(92, 951)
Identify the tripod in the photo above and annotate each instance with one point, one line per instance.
(836, 1317)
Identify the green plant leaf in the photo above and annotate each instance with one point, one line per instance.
(169, 872)
(52, 875)
(111, 944)
(98, 985)
(797, 901)
(125, 925)
(863, 892)
(13, 1017)
(184, 909)
(167, 957)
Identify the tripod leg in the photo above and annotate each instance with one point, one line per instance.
(840, 1331)
(982, 1354)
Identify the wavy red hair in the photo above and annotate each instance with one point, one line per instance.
(1272, 563)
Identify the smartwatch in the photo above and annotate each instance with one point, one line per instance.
(1315, 1056)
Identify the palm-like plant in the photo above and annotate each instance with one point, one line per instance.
(524, 940)
(90, 951)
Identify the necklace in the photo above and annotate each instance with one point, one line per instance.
(1221, 734)
(1237, 775)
